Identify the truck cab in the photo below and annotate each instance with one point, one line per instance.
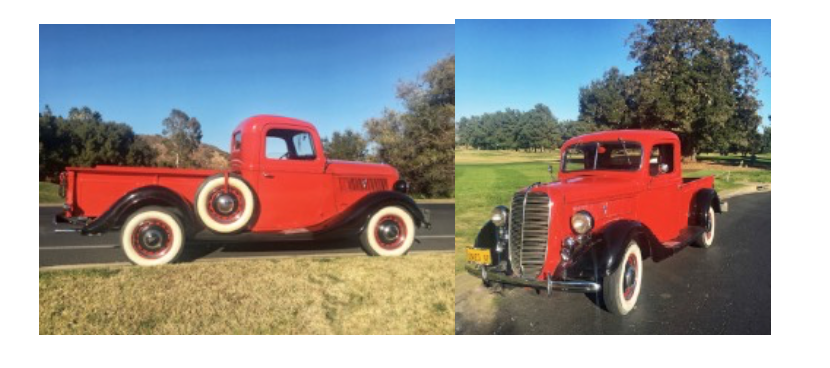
(279, 183)
(620, 198)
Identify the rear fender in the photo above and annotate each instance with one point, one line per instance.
(701, 202)
(353, 219)
(136, 199)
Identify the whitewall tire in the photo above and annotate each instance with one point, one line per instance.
(389, 232)
(225, 211)
(708, 237)
(621, 289)
(152, 236)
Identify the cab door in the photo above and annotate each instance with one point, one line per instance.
(292, 182)
(658, 206)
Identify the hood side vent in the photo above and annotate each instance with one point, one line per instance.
(363, 184)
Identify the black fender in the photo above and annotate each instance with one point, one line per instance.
(353, 219)
(152, 195)
(613, 239)
(701, 202)
(488, 238)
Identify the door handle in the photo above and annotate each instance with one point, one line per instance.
(267, 175)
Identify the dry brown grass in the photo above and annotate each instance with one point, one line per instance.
(350, 295)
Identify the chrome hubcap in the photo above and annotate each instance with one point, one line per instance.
(388, 231)
(152, 238)
(225, 204)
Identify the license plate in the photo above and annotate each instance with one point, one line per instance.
(480, 256)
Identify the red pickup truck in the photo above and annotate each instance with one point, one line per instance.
(279, 182)
(620, 199)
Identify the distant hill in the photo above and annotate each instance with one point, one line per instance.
(207, 156)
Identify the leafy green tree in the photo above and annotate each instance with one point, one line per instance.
(607, 102)
(141, 153)
(85, 139)
(420, 141)
(184, 135)
(348, 145)
(689, 80)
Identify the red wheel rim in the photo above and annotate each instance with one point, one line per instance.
(390, 232)
(152, 238)
(237, 211)
(630, 277)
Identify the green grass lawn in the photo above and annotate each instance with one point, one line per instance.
(348, 295)
(49, 193)
(480, 186)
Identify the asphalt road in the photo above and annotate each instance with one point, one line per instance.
(58, 249)
(725, 289)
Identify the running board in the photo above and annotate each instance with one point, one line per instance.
(686, 237)
(669, 248)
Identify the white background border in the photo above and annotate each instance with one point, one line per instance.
(800, 249)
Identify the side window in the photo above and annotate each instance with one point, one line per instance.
(303, 146)
(289, 144)
(276, 148)
(237, 141)
(661, 154)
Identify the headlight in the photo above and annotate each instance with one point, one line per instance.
(499, 216)
(582, 222)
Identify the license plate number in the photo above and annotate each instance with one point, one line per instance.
(480, 256)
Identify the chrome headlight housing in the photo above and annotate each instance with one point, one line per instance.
(582, 222)
(499, 216)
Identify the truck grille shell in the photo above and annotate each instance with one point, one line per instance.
(529, 223)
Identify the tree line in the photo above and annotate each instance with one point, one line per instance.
(418, 141)
(84, 139)
(536, 129)
(688, 80)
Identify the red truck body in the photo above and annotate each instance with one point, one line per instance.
(621, 186)
(293, 187)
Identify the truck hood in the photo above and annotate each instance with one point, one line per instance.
(354, 168)
(588, 188)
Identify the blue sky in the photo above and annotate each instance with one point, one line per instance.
(333, 76)
(517, 64)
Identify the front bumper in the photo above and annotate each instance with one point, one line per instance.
(550, 285)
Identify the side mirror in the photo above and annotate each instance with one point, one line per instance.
(664, 168)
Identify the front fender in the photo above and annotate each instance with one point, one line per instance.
(152, 195)
(608, 248)
(352, 220)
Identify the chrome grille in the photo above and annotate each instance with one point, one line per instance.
(529, 221)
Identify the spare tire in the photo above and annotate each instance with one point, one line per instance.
(225, 209)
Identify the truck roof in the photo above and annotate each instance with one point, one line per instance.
(251, 123)
(642, 136)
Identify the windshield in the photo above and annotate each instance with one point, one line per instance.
(618, 155)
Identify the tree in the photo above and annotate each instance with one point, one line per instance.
(348, 145)
(607, 102)
(535, 129)
(85, 139)
(689, 80)
(184, 134)
(420, 141)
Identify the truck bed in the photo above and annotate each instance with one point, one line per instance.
(91, 191)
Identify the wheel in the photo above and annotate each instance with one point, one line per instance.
(708, 237)
(152, 236)
(621, 289)
(390, 232)
(225, 210)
